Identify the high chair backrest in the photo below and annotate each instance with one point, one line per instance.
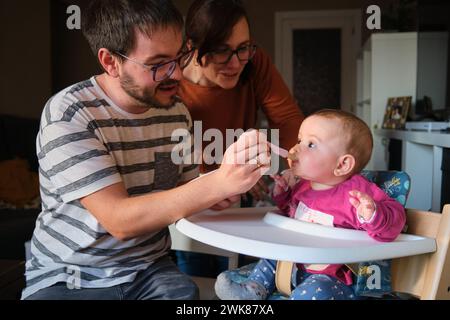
(396, 184)
(426, 276)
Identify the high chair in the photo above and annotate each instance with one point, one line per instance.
(425, 276)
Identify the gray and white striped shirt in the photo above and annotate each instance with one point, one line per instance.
(85, 144)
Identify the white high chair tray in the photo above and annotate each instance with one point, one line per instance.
(261, 233)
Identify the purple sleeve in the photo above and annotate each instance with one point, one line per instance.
(389, 219)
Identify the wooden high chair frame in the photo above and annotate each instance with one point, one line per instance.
(425, 276)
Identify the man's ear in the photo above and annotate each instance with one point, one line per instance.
(345, 165)
(109, 63)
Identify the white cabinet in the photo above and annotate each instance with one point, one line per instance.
(422, 160)
(387, 67)
(406, 64)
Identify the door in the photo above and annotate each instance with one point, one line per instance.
(316, 54)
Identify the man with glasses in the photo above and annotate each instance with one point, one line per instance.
(109, 188)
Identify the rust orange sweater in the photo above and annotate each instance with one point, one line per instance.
(237, 108)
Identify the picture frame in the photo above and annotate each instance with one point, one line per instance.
(397, 110)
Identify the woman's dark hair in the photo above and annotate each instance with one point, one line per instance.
(111, 24)
(209, 23)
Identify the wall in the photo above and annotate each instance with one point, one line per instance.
(25, 63)
(72, 59)
(32, 38)
(434, 16)
(262, 14)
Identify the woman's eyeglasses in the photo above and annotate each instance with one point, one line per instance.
(163, 71)
(223, 56)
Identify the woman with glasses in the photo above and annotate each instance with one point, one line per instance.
(229, 79)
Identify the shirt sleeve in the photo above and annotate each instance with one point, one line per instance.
(75, 161)
(274, 97)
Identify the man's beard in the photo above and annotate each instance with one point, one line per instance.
(147, 96)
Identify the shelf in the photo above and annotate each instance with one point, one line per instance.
(438, 139)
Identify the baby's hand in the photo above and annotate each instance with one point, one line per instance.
(283, 182)
(281, 185)
(363, 203)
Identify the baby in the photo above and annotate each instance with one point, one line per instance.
(324, 186)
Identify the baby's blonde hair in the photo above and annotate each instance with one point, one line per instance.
(357, 133)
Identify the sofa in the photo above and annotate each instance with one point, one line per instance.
(19, 163)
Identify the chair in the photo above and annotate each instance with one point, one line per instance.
(422, 276)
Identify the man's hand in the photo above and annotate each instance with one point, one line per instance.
(363, 203)
(244, 163)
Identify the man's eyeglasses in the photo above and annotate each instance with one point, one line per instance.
(163, 71)
(223, 56)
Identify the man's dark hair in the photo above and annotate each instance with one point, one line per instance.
(112, 24)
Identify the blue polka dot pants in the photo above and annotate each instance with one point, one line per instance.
(307, 286)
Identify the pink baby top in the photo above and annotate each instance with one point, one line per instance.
(332, 208)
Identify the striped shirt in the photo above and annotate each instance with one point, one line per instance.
(87, 143)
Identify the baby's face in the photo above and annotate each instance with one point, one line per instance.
(321, 143)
